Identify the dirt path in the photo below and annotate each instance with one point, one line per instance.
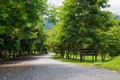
(45, 68)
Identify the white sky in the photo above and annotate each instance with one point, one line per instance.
(115, 5)
(56, 2)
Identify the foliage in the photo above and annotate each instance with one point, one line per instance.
(110, 41)
(81, 19)
(53, 13)
(21, 22)
(53, 39)
(84, 25)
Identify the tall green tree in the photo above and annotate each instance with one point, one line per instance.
(81, 18)
(18, 21)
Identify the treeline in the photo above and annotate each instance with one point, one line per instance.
(84, 25)
(21, 28)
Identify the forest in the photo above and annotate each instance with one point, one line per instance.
(83, 24)
(78, 24)
(21, 28)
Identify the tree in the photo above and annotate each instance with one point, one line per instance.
(113, 40)
(81, 19)
(105, 35)
(53, 13)
(15, 18)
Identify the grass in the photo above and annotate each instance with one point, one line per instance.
(87, 62)
(113, 64)
(110, 63)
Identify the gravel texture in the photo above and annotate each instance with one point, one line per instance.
(45, 68)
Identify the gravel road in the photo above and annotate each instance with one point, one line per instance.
(45, 68)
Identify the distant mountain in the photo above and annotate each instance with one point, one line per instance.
(118, 17)
(48, 25)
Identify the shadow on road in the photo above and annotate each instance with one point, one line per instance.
(23, 58)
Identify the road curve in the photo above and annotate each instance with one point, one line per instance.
(45, 68)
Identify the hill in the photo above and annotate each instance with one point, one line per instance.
(113, 64)
(118, 17)
(48, 25)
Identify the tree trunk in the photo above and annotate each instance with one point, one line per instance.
(76, 55)
(62, 53)
(67, 56)
(1, 53)
(103, 56)
(9, 54)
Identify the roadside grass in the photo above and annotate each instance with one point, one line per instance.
(113, 64)
(87, 62)
(109, 63)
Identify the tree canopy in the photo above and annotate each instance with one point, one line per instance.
(21, 26)
(84, 25)
(79, 24)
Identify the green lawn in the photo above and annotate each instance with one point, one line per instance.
(113, 64)
(110, 63)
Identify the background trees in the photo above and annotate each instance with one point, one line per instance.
(81, 18)
(111, 41)
(21, 24)
(79, 24)
(85, 25)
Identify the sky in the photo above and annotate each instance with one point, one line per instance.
(115, 5)
(56, 2)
